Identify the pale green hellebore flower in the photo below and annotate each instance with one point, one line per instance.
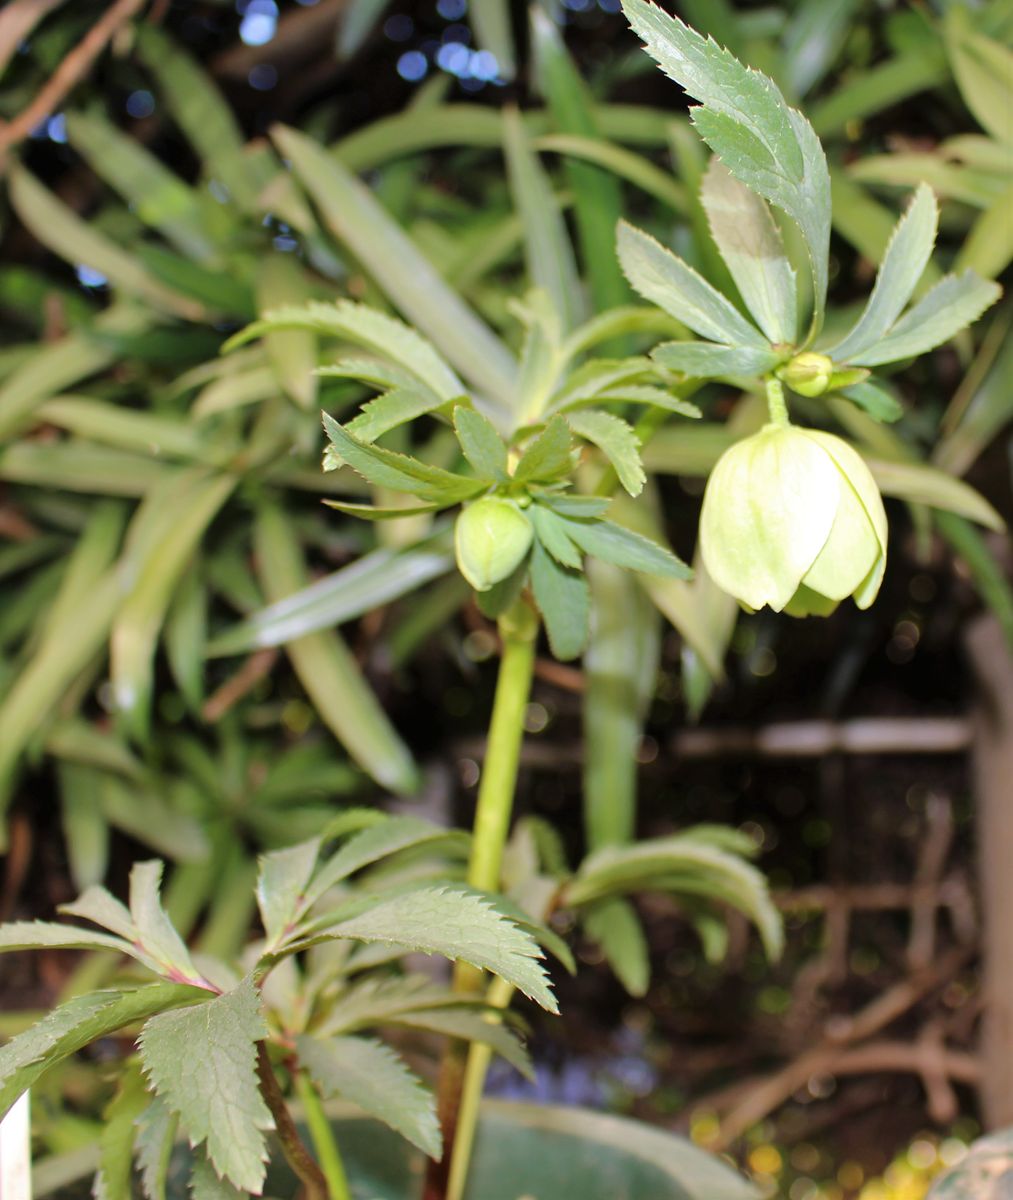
(792, 519)
(491, 537)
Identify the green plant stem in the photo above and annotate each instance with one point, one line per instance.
(776, 404)
(322, 1136)
(479, 1057)
(314, 1185)
(518, 630)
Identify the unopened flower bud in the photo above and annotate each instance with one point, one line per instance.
(491, 538)
(793, 519)
(808, 374)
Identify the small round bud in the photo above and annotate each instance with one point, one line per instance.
(808, 374)
(491, 538)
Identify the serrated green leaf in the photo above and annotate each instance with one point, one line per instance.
(458, 925)
(561, 594)
(751, 245)
(153, 1146)
(591, 378)
(384, 335)
(906, 257)
(205, 1183)
(352, 213)
(76, 1024)
(616, 439)
(566, 505)
(39, 935)
(372, 1076)
(203, 1063)
(386, 837)
(99, 906)
(402, 473)
(955, 302)
(745, 120)
(481, 444)
(550, 529)
(390, 410)
(549, 455)
(663, 278)
(645, 393)
(153, 928)
(705, 360)
(615, 544)
(615, 926)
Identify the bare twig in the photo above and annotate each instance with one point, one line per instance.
(70, 72)
(301, 33)
(17, 21)
(256, 667)
(932, 857)
(814, 739)
(841, 1035)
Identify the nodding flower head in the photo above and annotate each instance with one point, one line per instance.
(793, 520)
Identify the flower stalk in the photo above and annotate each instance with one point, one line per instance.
(518, 629)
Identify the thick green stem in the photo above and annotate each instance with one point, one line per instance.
(314, 1186)
(518, 630)
(322, 1136)
(776, 404)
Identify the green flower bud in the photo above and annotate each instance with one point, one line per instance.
(793, 519)
(809, 374)
(491, 538)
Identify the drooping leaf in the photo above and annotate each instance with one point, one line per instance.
(750, 243)
(550, 529)
(615, 544)
(874, 399)
(615, 926)
(903, 263)
(372, 1076)
(326, 667)
(561, 594)
(922, 484)
(617, 441)
(202, 1062)
(663, 278)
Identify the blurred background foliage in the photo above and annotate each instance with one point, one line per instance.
(198, 659)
